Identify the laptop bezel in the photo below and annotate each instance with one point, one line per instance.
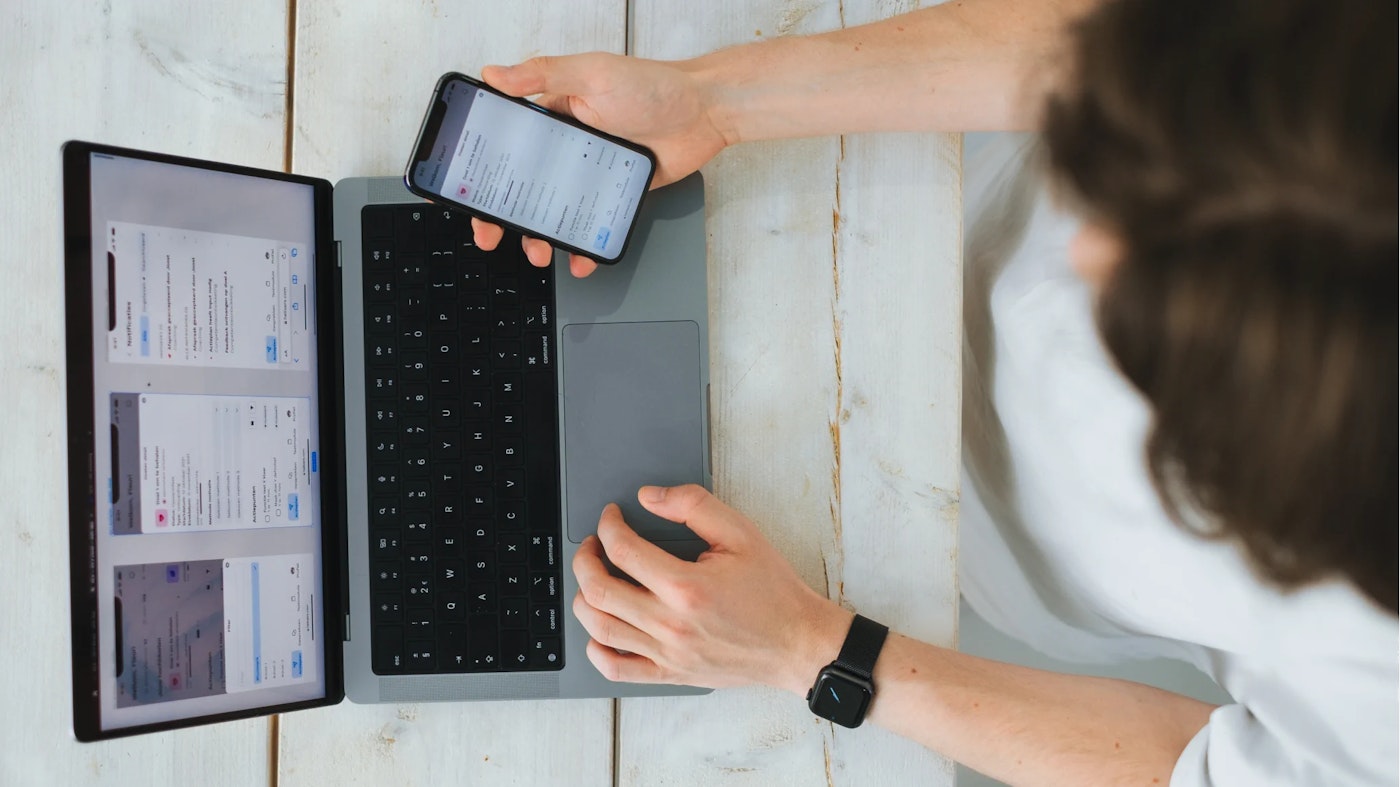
(81, 441)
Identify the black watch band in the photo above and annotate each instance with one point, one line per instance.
(862, 646)
(844, 688)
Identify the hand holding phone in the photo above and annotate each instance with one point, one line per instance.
(514, 163)
(662, 105)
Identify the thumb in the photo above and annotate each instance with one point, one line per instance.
(694, 506)
(545, 74)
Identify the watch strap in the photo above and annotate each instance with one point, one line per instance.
(862, 646)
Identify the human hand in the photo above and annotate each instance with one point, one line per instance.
(737, 615)
(657, 104)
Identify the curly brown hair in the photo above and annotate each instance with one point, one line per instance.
(1244, 154)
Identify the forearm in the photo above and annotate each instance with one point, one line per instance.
(962, 66)
(1020, 725)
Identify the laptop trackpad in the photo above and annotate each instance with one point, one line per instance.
(632, 415)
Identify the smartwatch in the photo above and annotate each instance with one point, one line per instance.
(845, 687)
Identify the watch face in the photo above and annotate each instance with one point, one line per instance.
(841, 699)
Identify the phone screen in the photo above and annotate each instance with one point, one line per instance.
(548, 178)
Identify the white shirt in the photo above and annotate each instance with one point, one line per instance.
(1065, 545)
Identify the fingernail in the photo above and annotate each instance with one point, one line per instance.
(651, 494)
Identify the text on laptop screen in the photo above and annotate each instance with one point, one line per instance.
(207, 441)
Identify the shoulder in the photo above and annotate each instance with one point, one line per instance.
(1315, 696)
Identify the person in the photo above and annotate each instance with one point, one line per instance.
(1180, 418)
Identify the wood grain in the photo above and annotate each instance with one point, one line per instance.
(363, 78)
(835, 287)
(164, 75)
(835, 291)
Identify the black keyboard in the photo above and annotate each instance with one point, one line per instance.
(463, 482)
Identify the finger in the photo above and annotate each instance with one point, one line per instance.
(611, 631)
(608, 593)
(697, 509)
(538, 252)
(555, 102)
(581, 266)
(625, 667)
(635, 556)
(486, 235)
(558, 74)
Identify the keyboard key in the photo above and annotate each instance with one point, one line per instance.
(512, 548)
(546, 652)
(510, 512)
(419, 622)
(384, 545)
(408, 229)
(379, 285)
(387, 607)
(442, 320)
(515, 649)
(376, 222)
(472, 275)
(542, 551)
(385, 576)
(483, 640)
(544, 619)
(482, 567)
(514, 613)
(387, 653)
(536, 356)
(452, 606)
(514, 580)
(452, 648)
(544, 588)
(452, 574)
(481, 599)
(421, 656)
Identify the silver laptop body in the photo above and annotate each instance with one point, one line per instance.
(633, 382)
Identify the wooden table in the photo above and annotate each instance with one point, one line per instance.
(836, 293)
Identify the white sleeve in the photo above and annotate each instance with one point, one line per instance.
(1324, 722)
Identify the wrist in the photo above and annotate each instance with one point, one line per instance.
(708, 73)
(815, 644)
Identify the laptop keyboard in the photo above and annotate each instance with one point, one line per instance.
(461, 405)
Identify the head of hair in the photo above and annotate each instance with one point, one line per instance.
(1243, 154)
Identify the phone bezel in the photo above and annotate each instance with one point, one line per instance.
(423, 143)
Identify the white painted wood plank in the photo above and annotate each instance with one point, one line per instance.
(365, 71)
(364, 74)
(836, 303)
(773, 383)
(900, 306)
(172, 76)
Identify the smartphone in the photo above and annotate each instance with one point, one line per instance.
(537, 172)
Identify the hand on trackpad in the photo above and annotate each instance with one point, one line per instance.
(633, 414)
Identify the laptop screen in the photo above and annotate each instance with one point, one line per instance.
(199, 581)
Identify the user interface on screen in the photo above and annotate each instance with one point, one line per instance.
(550, 178)
(207, 445)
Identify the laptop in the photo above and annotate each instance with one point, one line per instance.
(321, 445)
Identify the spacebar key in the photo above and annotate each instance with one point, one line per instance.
(540, 413)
